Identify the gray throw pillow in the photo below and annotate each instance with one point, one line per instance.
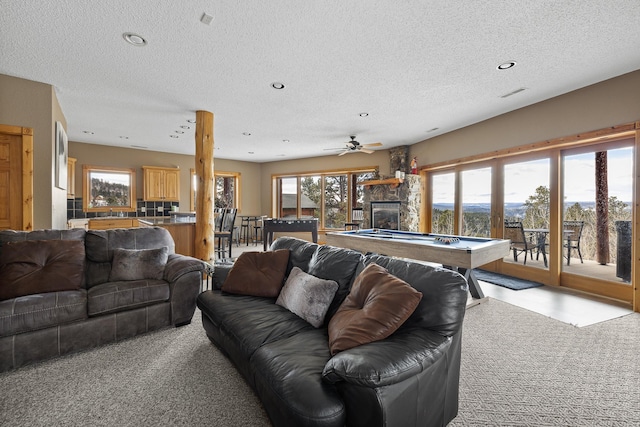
(307, 296)
(138, 264)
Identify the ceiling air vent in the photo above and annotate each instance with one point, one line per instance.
(513, 93)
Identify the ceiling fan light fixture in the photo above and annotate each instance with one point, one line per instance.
(134, 39)
(506, 65)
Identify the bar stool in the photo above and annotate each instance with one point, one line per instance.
(244, 229)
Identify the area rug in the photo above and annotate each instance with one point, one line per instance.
(505, 281)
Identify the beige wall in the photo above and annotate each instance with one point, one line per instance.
(102, 155)
(609, 103)
(30, 104)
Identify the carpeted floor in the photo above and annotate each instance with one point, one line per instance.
(519, 368)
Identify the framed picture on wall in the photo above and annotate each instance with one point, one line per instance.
(61, 156)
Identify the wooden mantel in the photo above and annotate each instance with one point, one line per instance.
(393, 182)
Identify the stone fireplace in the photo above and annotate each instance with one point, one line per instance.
(405, 197)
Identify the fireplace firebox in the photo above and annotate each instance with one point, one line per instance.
(385, 214)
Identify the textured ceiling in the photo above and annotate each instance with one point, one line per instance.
(411, 65)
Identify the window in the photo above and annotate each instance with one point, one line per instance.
(107, 189)
(329, 196)
(227, 190)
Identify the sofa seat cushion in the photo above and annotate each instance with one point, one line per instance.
(41, 311)
(113, 297)
(236, 315)
(288, 377)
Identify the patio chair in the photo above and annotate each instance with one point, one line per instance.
(572, 231)
(514, 231)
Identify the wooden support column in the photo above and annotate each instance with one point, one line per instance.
(602, 208)
(205, 230)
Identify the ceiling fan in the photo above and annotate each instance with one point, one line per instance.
(354, 146)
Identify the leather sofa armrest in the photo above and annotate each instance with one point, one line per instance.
(390, 361)
(179, 265)
(220, 273)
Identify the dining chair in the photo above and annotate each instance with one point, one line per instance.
(357, 216)
(514, 231)
(572, 232)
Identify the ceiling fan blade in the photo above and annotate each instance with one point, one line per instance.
(364, 150)
(344, 152)
(373, 144)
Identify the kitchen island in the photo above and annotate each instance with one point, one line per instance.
(183, 232)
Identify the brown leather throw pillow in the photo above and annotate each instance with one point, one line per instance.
(378, 304)
(259, 274)
(37, 266)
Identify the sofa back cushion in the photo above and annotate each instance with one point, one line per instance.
(339, 265)
(301, 252)
(444, 293)
(325, 262)
(100, 245)
(37, 266)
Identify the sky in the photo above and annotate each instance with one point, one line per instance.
(522, 179)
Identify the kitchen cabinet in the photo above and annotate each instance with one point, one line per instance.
(161, 184)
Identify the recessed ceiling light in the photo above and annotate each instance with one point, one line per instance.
(280, 155)
(246, 133)
(173, 136)
(139, 146)
(134, 39)
(123, 137)
(285, 140)
(506, 65)
(185, 127)
(87, 132)
(364, 114)
(432, 130)
(180, 132)
(277, 85)
(250, 152)
(191, 120)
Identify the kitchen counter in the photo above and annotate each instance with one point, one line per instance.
(151, 221)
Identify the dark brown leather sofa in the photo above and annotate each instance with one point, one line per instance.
(100, 307)
(410, 378)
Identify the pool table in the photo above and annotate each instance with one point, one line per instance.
(460, 253)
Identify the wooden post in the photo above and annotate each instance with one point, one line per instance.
(205, 190)
(602, 209)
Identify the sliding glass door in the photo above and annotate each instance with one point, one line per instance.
(597, 211)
